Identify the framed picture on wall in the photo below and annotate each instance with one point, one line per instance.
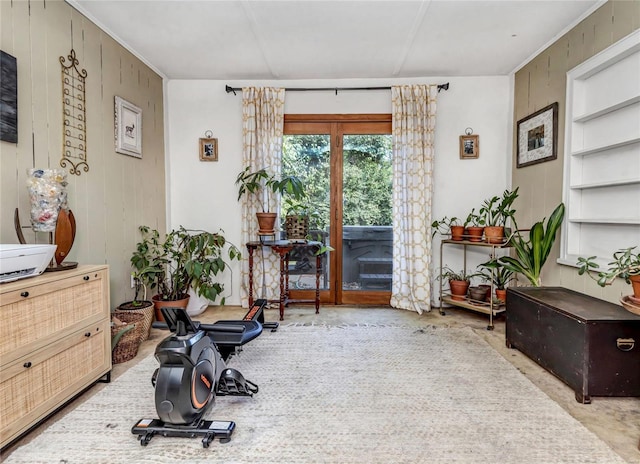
(8, 98)
(208, 149)
(469, 146)
(128, 121)
(538, 136)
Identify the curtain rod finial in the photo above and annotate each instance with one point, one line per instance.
(230, 89)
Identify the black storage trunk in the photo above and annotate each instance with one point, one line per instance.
(590, 344)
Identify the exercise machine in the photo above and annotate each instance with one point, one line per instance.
(193, 372)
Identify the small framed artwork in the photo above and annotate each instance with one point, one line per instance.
(538, 137)
(469, 146)
(208, 149)
(128, 120)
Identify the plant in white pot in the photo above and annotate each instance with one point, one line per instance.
(261, 184)
(181, 260)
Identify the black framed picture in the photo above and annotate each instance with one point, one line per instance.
(538, 137)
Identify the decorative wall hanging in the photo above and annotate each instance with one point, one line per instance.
(128, 121)
(538, 136)
(208, 147)
(74, 115)
(469, 145)
(8, 98)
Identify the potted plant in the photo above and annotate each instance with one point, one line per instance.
(494, 214)
(625, 265)
(181, 260)
(532, 252)
(473, 226)
(499, 276)
(451, 225)
(458, 282)
(262, 184)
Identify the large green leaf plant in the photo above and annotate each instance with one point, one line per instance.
(533, 251)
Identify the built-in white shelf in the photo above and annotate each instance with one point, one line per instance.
(609, 109)
(620, 221)
(613, 183)
(601, 188)
(611, 146)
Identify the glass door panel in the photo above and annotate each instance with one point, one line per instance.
(308, 157)
(367, 238)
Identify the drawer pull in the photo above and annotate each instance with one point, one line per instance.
(24, 294)
(625, 344)
(27, 364)
(88, 334)
(86, 277)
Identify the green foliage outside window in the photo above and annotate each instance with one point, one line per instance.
(367, 173)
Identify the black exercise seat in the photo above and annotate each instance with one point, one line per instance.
(228, 335)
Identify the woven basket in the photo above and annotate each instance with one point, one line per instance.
(296, 227)
(127, 346)
(147, 312)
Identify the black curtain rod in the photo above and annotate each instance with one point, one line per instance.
(230, 89)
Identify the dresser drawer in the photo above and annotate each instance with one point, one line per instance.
(34, 385)
(32, 315)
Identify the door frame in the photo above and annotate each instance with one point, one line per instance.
(336, 126)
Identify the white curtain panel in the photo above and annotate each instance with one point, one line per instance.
(262, 129)
(414, 118)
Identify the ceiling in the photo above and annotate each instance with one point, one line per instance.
(265, 39)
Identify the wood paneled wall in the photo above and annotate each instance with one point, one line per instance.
(119, 192)
(538, 84)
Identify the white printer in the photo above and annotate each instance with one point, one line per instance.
(20, 261)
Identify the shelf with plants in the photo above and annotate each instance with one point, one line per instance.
(493, 307)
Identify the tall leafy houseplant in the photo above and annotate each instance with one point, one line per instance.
(532, 252)
(184, 258)
(262, 185)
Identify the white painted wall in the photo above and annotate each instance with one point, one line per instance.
(203, 194)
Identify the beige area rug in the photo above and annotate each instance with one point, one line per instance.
(342, 395)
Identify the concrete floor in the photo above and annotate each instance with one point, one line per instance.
(614, 420)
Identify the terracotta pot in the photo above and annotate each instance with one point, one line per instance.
(457, 232)
(459, 289)
(494, 234)
(635, 284)
(266, 223)
(159, 303)
(501, 295)
(474, 234)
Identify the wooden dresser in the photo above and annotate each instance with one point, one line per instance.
(55, 341)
